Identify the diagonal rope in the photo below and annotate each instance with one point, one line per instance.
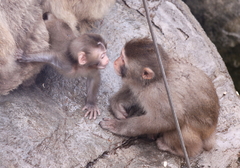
(166, 85)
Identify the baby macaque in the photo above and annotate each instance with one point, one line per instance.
(73, 56)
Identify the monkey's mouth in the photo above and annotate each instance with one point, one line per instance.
(101, 66)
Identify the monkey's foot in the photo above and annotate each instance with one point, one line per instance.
(112, 125)
(18, 54)
(92, 111)
(164, 147)
(21, 57)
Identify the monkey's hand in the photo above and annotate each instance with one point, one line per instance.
(112, 125)
(92, 111)
(119, 111)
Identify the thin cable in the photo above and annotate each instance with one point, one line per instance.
(166, 85)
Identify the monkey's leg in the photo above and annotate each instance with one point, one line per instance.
(52, 58)
(170, 142)
(46, 57)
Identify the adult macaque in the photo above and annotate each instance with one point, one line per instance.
(21, 27)
(193, 94)
(77, 13)
(73, 57)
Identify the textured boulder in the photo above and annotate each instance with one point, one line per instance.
(44, 126)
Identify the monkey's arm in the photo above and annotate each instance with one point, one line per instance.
(123, 103)
(140, 125)
(46, 57)
(93, 82)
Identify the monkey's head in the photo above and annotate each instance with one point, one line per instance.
(138, 62)
(90, 50)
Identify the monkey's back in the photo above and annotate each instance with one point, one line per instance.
(196, 93)
(193, 93)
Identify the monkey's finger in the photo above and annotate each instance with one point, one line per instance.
(102, 125)
(84, 108)
(108, 125)
(123, 111)
(87, 113)
(95, 112)
(91, 115)
(95, 115)
(98, 112)
(125, 114)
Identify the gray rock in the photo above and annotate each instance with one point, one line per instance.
(221, 21)
(44, 126)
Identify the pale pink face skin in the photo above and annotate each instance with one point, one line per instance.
(119, 62)
(102, 58)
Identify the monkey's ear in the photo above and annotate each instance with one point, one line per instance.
(147, 73)
(82, 59)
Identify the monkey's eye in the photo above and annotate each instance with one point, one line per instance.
(102, 55)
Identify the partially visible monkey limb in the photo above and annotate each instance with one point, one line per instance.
(123, 109)
(74, 57)
(193, 94)
(78, 13)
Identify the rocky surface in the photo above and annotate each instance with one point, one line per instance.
(43, 126)
(221, 21)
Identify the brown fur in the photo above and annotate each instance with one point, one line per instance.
(19, 19)
(77, 13)
(74, 57)
(193, 94)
